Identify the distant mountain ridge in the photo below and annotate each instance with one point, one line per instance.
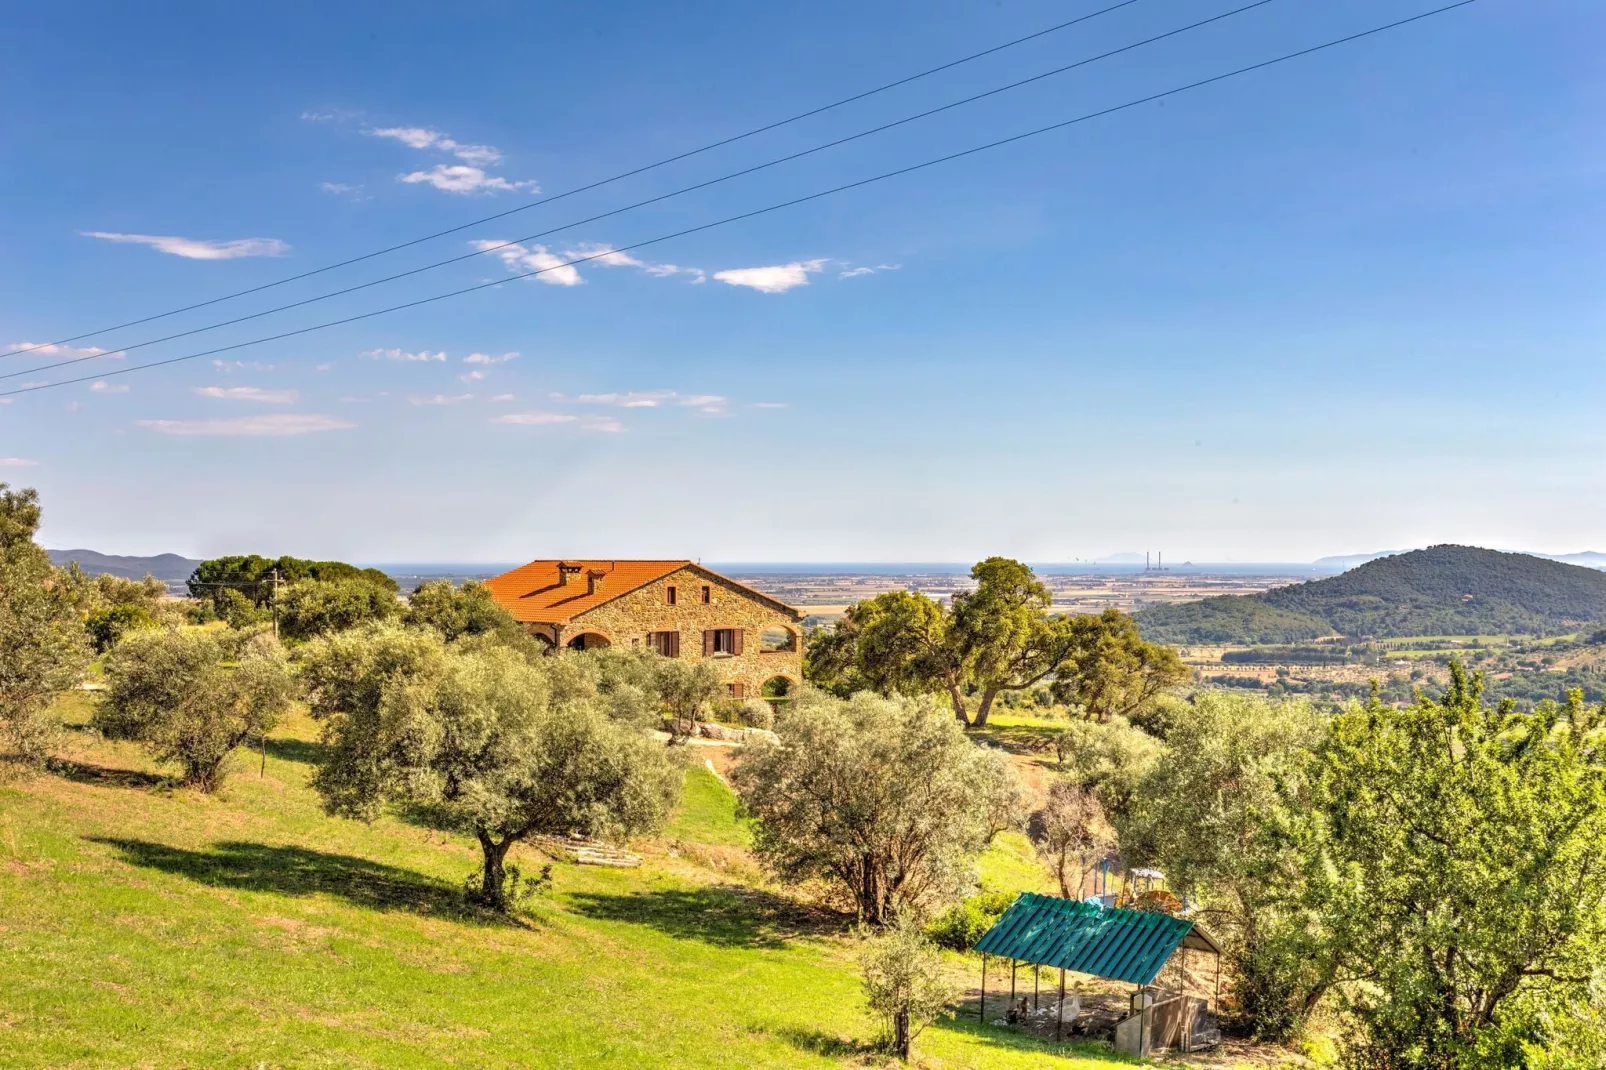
(170, 568)
(1442, 590)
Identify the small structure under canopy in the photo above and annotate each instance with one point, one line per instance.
(1132, 946)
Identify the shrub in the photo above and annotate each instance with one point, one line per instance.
(904, 983)
(755, 713)
(961, 925)
(311, 608)
(107, 627)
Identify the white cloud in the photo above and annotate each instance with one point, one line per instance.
(16, 462)
(490, 358)
(418, 137)
(853, 273)
(6, 401)
(441, 399)
(52, 349)
(770, 405)
(605, 424)
(329, 115)
(275, 425)
(325, 366)
(252, 365)
(473, 377)
(635, 399)
(503, 397)
(248, 393)
(603, 254)
(711, 404)
(344, 189)
(772, 280)
(461, 178)
(555, 270)
(535, 418)
(33, 383)
(196, 249)
(401, 354)
(101, 386)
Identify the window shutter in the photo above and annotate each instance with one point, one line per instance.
(673, 644)
(736, 647)
(737, 690)
(708, 642)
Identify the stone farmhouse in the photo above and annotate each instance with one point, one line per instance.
(679, 609)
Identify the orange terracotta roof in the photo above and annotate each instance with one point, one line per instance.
(534, 594)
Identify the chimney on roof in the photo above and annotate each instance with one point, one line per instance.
(567, 572)
(594, 580)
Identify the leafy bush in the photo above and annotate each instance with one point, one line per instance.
(756, 714)
(313, 608)
(107, 627)
(961, 925)
(904, 983)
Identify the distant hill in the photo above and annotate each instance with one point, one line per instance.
(1348, 561)
(170, 568)
(1443, 590)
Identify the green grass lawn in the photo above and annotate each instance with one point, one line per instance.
(142, 925)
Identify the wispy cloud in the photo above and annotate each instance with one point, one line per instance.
(503, 397)
(401, 354)
(197, 249)
(608, 256)
(101, 386)
(419, 137)
(774, 279)
(329, 115)
(555, 270)
(853, 273)
(353, 191)
(710, 404)
(250, 365)
(16, 462)
(441, 399)
(474, 376)
(461, 178)
(770, 405)
(248, 393)
(603, 424)
(490, 358)
(52, 349)
(274, 425)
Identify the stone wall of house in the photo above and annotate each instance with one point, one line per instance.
(625, 622)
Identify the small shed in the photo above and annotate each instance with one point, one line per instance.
(1120, 945)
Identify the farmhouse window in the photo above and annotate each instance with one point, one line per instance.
(669, 595)
(665, 643)
(736, 690)
(708, 594)
(726, 641)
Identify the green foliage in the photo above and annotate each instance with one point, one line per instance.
(479, 736)
(884, 798)
(106, 627)
(995, 640)
(1443, 590)
(238, 611)
(904, 983)
(961, 925)
(251, 576)
(1110, 760)
(1072, 834)
(178, 693)
(1208, 812)
(311, 608)
(42, 647)
(463, 612)
(1456, 856)
(686, 690)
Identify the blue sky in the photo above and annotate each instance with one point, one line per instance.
(1348, 303)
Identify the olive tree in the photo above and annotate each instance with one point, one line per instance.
(460, 612)
(1209, 812)
(313, 607)
(886, 799)
(905, 982)
(1071, 834)
(42, 647)
(481, 736)
(190, 699)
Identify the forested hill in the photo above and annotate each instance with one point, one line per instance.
(1443, 590)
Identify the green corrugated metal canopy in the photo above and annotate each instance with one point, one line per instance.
(1122, 945)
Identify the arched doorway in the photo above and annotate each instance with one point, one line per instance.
(777, 637)
(588, 641)
(777, 691)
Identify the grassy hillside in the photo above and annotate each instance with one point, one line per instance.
(1443, 590)
(146, 926)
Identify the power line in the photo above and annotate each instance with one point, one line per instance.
(776, 207)
(651, 200)
(599, 183)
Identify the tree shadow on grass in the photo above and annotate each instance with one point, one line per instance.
(299, 871)
(305, 751)
(87, 773)
(830, 1045)
(724, 915)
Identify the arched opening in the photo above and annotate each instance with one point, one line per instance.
(777, 691)
(588, 641)
(777, 638)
